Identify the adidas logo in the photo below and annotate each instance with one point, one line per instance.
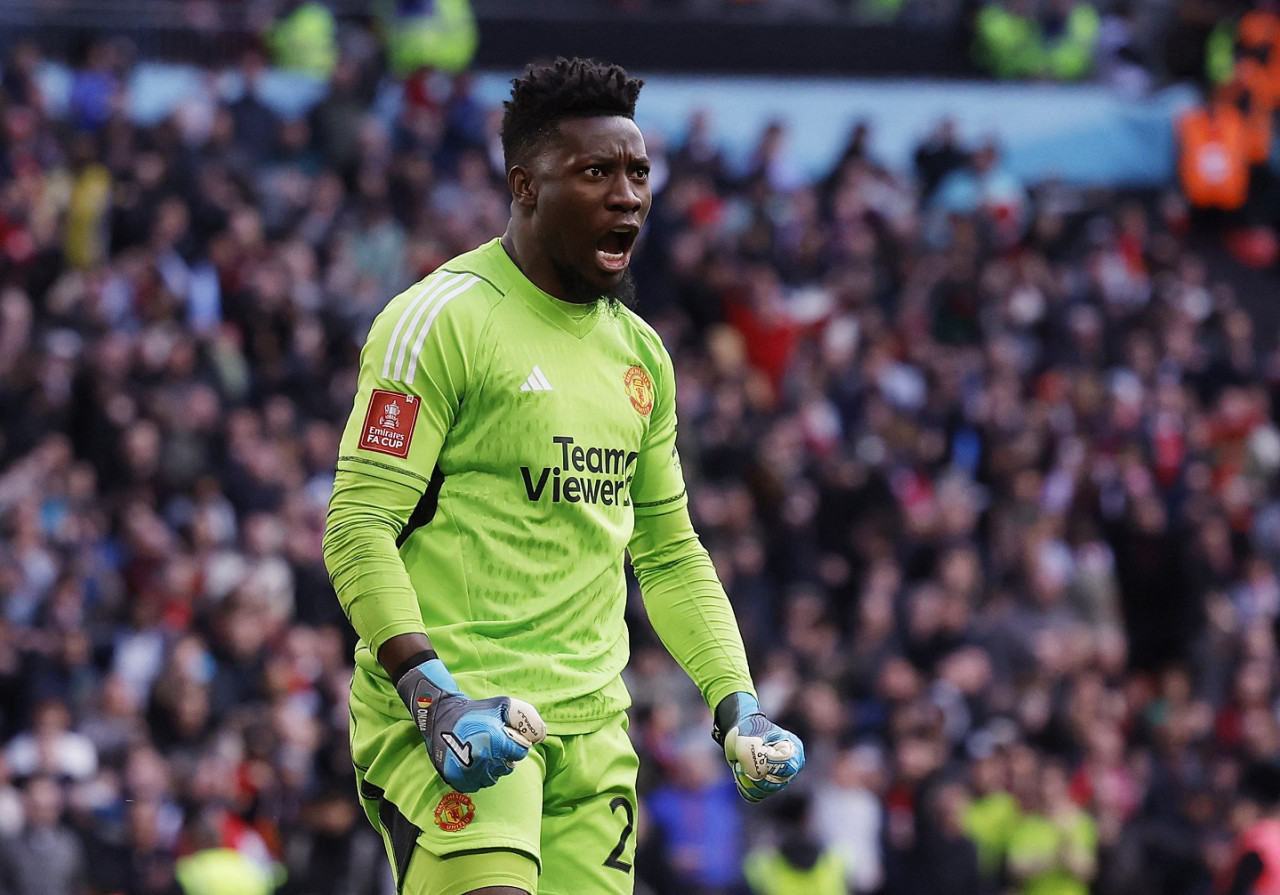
(537, 382)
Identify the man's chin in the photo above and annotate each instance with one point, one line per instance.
(612, 288)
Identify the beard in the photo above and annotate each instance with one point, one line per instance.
(579, 290)
(624, 292)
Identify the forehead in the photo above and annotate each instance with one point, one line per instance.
(608, 136)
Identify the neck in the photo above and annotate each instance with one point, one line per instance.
(520, 247)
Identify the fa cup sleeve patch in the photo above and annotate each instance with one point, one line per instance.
(388, 426)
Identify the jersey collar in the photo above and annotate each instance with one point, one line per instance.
(576, 319)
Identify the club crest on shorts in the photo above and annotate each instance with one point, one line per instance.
(388, 426)
(639, 389)
(454, 812)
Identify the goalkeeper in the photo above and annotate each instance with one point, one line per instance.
(513, 436)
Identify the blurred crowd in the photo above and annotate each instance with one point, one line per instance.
(988, 470)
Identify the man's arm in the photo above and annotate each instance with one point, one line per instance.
(687, 605)
(414, 368)
(472, 742)
(690, 611)
(366, 515)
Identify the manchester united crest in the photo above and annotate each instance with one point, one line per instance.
(454, 812)
(639, 389)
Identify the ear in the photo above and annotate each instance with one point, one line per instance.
(523, 186)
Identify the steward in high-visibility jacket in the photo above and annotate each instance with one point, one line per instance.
(440, 35)
(788, 871)
(305, 40)
(1071, 55)
(1008, 41)
(1213, 161)
(221, 871)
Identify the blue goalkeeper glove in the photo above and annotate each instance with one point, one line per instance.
(764, 757)
(472, 742)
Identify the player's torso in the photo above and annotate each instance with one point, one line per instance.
(534, 510)
(551, 433)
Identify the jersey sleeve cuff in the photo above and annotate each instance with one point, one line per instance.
(661, 507)
(388, 472)
(727, 688)
(377, 638)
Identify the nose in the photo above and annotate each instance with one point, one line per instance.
(625, 194)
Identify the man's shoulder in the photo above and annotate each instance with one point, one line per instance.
(458, 293)
(639, 331)
(489, 264)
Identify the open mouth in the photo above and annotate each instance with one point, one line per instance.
(613, 251)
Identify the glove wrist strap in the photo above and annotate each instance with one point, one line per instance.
(413, 662)
(422, 690)
(732, 709)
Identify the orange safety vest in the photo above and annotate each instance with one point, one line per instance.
(1258, 32)
(1253, 91)
(1213, 163)
(1258, 37)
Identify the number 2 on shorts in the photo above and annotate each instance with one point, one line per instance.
(615, 857)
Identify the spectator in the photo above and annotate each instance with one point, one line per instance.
(704, 857)
(19, 78)
(52, 747)
(256, 125)
(336, 123)
(10, 802)
(437, 36)
(304, 38)
(334, 852)
(798, 863)
(991, 815)
(137, 860)
(847, 817)
(1070, 30)
(212, 868)
(96, 90)
(45, 857)
(947, 857)
(1008, 41)
(1053, 847)
(1254, 851)
(984, 186)
(86, 244)
(937, 156)
(1121, 58)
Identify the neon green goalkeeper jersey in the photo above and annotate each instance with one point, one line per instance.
(536, 431)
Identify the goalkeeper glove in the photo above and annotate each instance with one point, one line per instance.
(764, 757)
(472, 742)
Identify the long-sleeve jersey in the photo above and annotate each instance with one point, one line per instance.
(505, 450)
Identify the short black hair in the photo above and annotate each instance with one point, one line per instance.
(567, 88)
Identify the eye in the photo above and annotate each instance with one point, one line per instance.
(595, 171)
(640, 173)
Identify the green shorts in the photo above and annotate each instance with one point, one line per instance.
(566, 815)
